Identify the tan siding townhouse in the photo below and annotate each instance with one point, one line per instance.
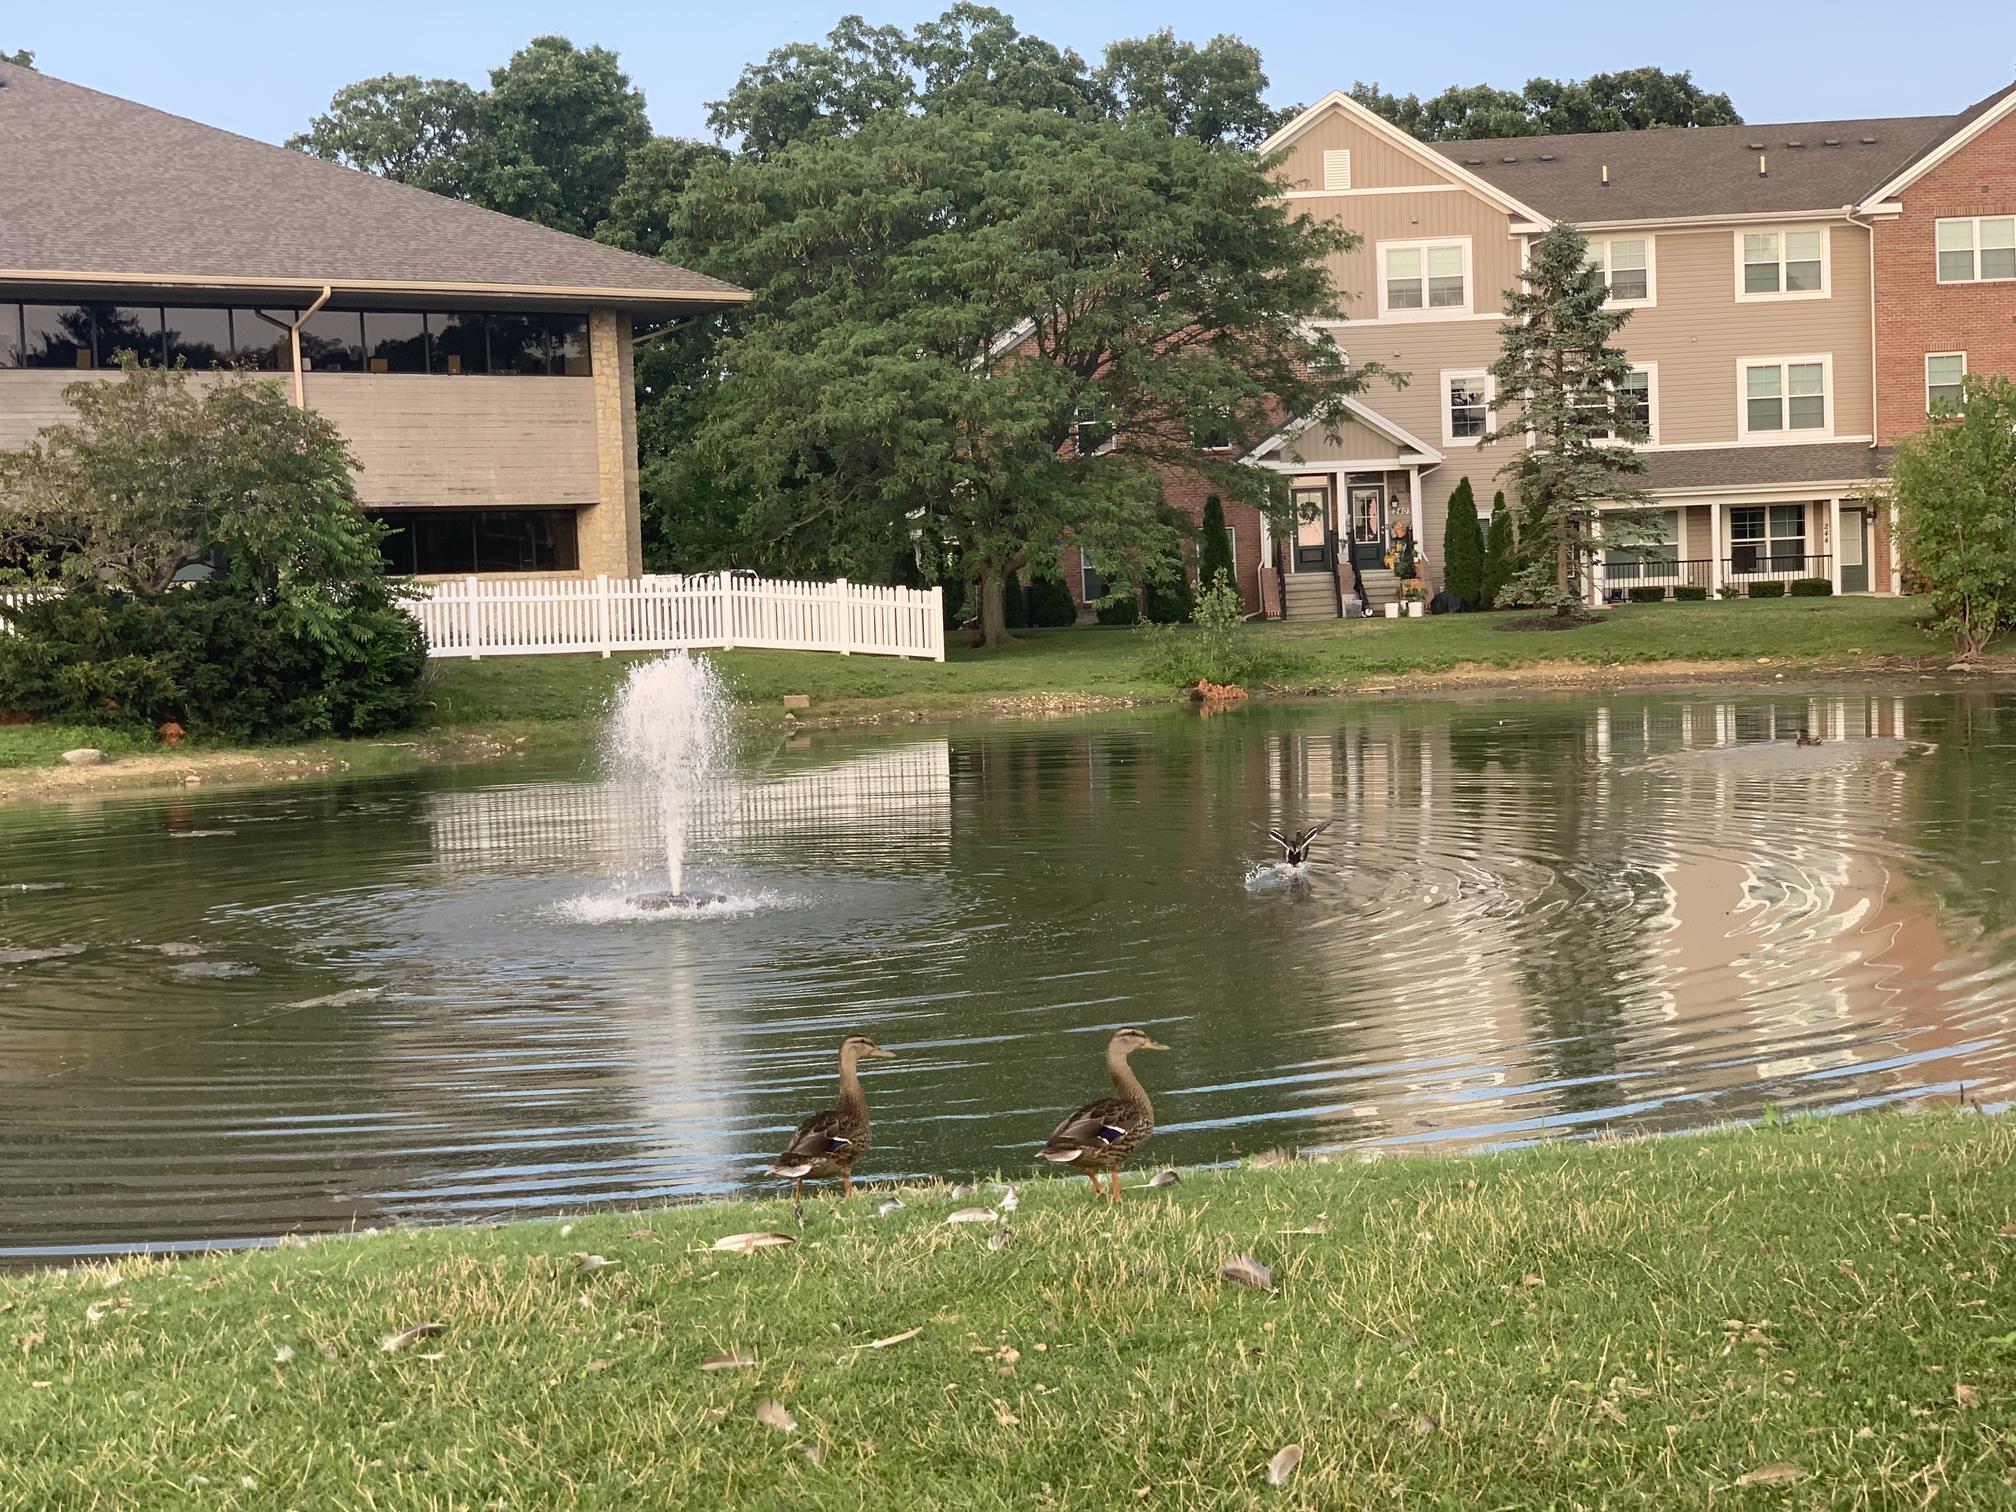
(479, 365)
(1766, 317)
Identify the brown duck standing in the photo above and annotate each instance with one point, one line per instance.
(827, 1144)
(1101, 1135)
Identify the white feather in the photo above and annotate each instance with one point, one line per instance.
(1060, 1157)
(804, 1168)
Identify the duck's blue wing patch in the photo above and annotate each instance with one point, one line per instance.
(835, 1143)
(1108, 1133)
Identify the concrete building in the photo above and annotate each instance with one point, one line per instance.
(479, 365)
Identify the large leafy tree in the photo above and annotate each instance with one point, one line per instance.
(1953, 486)
(1561, 386)
(154, 473)
(400, 127)
(21, 58)
(1213, 93)
(1634, 99)
(869, 411)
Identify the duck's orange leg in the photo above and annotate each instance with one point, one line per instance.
(846, 1183)
(1113, 1176)
(798, 1190)
(1093, 1177)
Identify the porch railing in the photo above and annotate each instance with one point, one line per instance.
(1659, 572)
(1763, 565)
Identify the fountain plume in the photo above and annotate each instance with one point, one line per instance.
(668, 737)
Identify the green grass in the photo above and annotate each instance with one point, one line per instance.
(1641, 1323)
(551, 701)
(24, 745)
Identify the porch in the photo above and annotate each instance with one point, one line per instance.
(1726, 545)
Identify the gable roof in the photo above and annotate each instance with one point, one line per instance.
(1673, 173)
(1398, 435)
(1340, 103)
(100, 189)
(1962, 129)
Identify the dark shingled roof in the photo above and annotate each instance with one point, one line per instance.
(94, 184)
(1740, 467)
(1671, 172)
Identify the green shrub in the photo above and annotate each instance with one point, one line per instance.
(1811, 588)
(1170, 598)
(1125, 610)
(1214, 547)
(1496, 569)
(1217, 646)
(1645, 593)
(1769, 589)
(1463, 555)
(221, 665)
(1050, 603)
(1690, 593)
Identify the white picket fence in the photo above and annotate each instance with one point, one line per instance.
(478, 617)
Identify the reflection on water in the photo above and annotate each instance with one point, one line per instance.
(229, 1017)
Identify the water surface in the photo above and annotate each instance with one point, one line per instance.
(231, 1016)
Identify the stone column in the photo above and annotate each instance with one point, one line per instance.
(611, 531)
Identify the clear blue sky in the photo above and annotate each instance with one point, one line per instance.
(264, 69)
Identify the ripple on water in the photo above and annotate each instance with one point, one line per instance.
(28, 955)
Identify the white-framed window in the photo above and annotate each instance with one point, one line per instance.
(1786, 264)
(1466, 406)
(1337, 168)
(1213, 431)
(1766, 539)
(1785, 398)
(1091, 586)
(1091, 432)
(1626, 265)
(1945, 374)
(1652, 562)
(1427, 280)
(1641, 393)
(1981, 249)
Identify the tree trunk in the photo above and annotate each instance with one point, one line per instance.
(993, 609)
(1561, 564)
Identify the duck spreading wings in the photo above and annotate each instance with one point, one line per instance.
(1296, 847)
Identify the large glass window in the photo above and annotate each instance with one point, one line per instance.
(259, 339)
(128, 328)
(54, 336)
(1977, 250)
(569, 336)
(1626, 267)
(1767, 539)
(395, 342)
(518, 344)
(332, 341)
(436, 542)
(1653, 562)
(1784, 262)
(457, 343)
(199, 337)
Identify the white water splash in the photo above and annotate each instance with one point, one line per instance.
(617, 908)
(668, 736)
(1272, 876)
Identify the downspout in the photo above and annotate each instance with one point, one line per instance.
(1875, 415)
(294, 343)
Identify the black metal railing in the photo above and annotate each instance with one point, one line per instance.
(1760, 564)
(1658, 572)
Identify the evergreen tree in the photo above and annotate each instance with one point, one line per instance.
(1463, 548)
(1214, 548)
(1562, 386)
(1498, 551)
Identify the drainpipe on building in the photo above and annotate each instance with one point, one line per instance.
(1895, 573)
(294, 343)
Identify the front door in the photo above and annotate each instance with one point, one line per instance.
(1854, 551)
(1312, 529)
(1368, 524)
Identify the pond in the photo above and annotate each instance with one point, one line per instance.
(230, 1016)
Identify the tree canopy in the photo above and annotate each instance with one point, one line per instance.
(1953, 485)
(1635, 99)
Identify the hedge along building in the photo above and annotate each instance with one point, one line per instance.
(480, 366)
(1774, 342)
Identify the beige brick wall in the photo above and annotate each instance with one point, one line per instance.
(611, 528)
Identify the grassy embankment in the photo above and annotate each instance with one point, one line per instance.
(483, 708)
(1812, 1314)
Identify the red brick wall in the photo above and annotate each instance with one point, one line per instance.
(1915, 313)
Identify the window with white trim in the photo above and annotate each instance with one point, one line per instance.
(1781, 264)
(1765, 539)
(1650, 562)
(1945, 385)
(1091, 434)
(1785, 398)
(1635, 395)
(1337, 168)
(1977, 250)
(1431, 278)
(1466, 407)
(1626, 266)
(1091, 586)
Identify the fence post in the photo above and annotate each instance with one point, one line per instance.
(471, 618)
(934, 632)
(722, 580)
(602, 612)
(841, 599)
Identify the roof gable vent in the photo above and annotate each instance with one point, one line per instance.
(1337, 168)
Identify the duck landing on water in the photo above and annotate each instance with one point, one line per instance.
(1295, 848)
(1806, 739)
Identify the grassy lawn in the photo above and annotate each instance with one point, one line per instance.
(1823, 1307)
(41, 745)
(551, 700)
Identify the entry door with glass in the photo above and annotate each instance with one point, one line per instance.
(1368, 524)
(1854, 551)
(1312, 529)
